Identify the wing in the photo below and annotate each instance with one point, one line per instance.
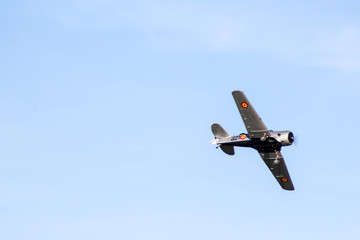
(253, 123)
(276, 164)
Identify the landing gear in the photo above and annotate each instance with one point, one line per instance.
(277, 159)
(264, 137)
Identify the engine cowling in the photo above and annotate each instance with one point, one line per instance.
(285, 138)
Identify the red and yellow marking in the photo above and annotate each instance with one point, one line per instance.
(244, 105)
(284, 179)
(242, 137)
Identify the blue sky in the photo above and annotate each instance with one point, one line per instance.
(107, 107)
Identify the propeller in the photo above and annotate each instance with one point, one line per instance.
(296, 140)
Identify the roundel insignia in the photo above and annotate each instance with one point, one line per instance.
(244, 105)
(242, 137)
(284, 179)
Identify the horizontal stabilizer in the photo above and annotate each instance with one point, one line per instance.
(227, 149)
(218, 131)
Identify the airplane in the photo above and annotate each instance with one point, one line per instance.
(267, 142)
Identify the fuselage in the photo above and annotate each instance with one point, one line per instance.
(271, 141)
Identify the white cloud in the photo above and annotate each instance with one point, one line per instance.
(342, 49)
(193, 27)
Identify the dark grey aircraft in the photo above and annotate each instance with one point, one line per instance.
(267, 142)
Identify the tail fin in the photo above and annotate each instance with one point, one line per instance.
(219, 133)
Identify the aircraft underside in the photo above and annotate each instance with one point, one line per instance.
(268, 145)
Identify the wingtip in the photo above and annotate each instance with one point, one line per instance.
(289, 188)
(237, 91)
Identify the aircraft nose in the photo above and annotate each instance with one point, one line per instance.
(291, 137)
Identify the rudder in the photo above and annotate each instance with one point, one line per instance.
(219, 133)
